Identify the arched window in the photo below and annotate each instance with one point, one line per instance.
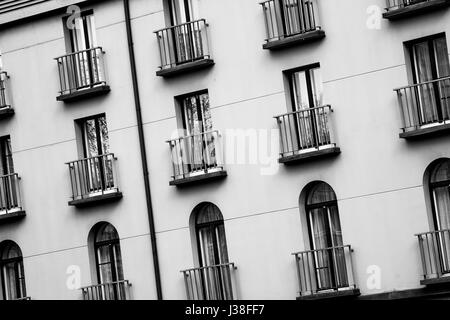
(109, 261)
(439, 187)
(214, 275)
(211, 239)
(12, 273)
(440, 194)
(326, 237)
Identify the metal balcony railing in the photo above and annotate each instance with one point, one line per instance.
(325, 270)
(304, 130)
(398, 4)
(81, 70)
(210, 283)
(93, 176)
(119, 290)
(25, 298)
(4, 104)
(286, 18)
(196, 154)
(426, 103)
(434, 249)
(10, 199)
(187, 42)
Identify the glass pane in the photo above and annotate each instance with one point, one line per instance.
(422, 62)
(11, 281)
(209, 213)
(10, 250)
(92, 148)
(106, 232)
(300, 91)
(320, 193)
(104, 135)
(317, 87)
(441, 58)
(118, 262)
(103, 254)
(441, 172)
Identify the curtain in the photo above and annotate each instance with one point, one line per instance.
(443, 70)
(441, 199)
(338, 254)
(425, 93)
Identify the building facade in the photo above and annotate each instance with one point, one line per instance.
(295, 149)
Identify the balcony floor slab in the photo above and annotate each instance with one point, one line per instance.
(96, 200)
(350, 293)
(185, 68)
(6, 113)
(426, 132)
(84, 93)
(295, 40)
(210, 176)
(307, 156)
(13, 216)
(416, 9)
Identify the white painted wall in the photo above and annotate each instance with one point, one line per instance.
(377, 178)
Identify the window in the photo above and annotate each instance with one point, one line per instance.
(200, 138)
(95, 146)
(109, 261)
(82, 68)
(8, 179)
(330, 267)
(430, 70)
(12, 271)
(439, 186)
(309, 120)
(82, 36)
(187, 34)
(212, 252)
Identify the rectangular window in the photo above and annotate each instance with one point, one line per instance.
(430, 69)
(96, 152)
(199, 142)
(8, 180)
(307, 123)
(82, 32)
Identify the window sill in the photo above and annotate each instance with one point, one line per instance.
(185, 68)
(306, 156)
(13, 216)
(96, 200)
(349, 293)
(210, 176)
(84, 93)
(425, 132)
(6, 112)
(415, 9)
(295, 40)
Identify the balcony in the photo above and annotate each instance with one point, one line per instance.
(434, 250)
(291, 23)
(399, 9)
(425, 108)
(184, 48)
(306, 135)
(82, 75)
(94, 181)
(119, 290)
(10, 199)
(326, 273)
(196, 158)
(6, 110)
(210, 283)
